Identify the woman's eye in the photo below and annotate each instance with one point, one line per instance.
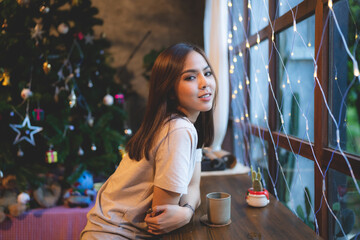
(190, 78)
(207, 74)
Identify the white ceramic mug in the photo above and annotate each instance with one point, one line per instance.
(218, 207)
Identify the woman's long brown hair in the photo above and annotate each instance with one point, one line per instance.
(163, 103)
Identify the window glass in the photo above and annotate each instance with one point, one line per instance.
(344, 89)
(259, 16)
(259, 84)
(295, 184)
(295, 80)
(239, 111)
(344, 201)
(236, 21)
(286, 5)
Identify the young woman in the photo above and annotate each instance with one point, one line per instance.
(156, 187)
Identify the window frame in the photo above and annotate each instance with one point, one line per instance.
(323, 153)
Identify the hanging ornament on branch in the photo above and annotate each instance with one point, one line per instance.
(36, 32)
(108, 100)
(5, 78)
(51, 156)
(25, 131)
(38, 114)
(63, 28)
(26, 93)
(89, 39)
(46, 67)
(72, 99)
(44, 9)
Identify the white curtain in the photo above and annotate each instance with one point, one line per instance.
(215, 46)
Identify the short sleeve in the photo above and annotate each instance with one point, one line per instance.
(198, 155)
(173, 159)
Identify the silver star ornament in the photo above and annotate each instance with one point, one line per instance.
(30, 131)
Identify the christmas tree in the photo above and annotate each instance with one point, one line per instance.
(59, 106)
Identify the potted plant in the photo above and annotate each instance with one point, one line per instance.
(257, 196)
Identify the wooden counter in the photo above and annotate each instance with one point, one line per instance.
(274, 221)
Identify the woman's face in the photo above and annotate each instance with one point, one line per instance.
(196, 88)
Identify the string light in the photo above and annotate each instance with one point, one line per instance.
(235, 27)
(330, 4)
(240, 18)
(229, 4)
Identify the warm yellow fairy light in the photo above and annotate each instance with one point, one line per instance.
(264, 19)
(280, 3)
(235, 27)
(265, 118)
(256, 79)
(229, 4)
(335, 78)
(233, 96)
(287, 80)
(242, 118)
(246, 115)
(266, 66)
(240, 86)
(292, 53)
(330, 4)
(232, 66)
(356, 36)
(256, 48)
(240, 54)
(294, 23)
(257, 38)
(231, 48)
(298, 81)
(249, 5)
(237, 120)
(247, 44)
(256, 116)
(289, 114)
(235, 91)
(230, 35)
(282, 119)
(240, 18)
(269, 79)
(315, 73)
(283, 85)
(309, 44)
(231, 71)
(229, 41)
(272, 36)
(247, 82)
(356, 69)
(234, 59)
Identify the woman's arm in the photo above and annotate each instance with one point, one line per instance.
(167, 214)
(193, 196)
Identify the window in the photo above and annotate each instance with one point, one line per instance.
(296, 105)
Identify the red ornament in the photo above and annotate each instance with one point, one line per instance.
(38, 114)
(119, 98)
(79, 35)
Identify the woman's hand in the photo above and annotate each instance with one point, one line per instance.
(166, 218)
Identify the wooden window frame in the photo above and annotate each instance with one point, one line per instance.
(323, 152)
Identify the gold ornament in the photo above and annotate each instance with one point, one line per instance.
(46, 67)
(75, 2)
(5, 78)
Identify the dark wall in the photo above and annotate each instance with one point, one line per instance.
(126, 22)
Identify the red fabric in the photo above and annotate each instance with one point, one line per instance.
(57, 223)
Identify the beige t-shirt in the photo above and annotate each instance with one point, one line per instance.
(126, 196)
